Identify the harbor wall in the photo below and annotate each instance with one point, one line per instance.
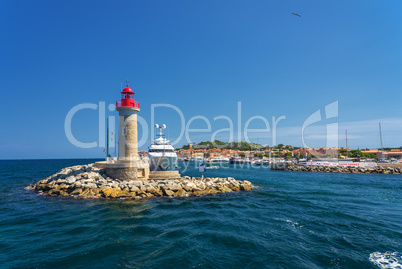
(344, 169)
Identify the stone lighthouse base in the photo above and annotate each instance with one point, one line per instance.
(128, 170)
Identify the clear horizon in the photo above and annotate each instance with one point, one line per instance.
(202, 58)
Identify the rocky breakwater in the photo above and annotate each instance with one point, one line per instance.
(88, 181)
(345, 169)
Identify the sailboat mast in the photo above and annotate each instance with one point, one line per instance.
(382, 148)
(107, 138)
(347, 152)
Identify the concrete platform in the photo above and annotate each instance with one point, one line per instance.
(164, 175)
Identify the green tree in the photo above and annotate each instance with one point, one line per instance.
(288, 154)
(354, 153)
(186, 147)
(245, 146)
(258, 155)
(369, 155)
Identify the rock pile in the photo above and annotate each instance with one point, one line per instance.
(345, 169)
(88, 181)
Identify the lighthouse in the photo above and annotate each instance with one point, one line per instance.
(129, 165)
(128, 135)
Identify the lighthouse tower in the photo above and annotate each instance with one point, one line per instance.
(129, 166)
(128, 139)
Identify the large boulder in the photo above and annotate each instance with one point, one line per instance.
(173, 186)
(85, 192)
(168, 192)
(77, 191)
(245, 186)
(111, 192)
(180, 193)
(71, 180)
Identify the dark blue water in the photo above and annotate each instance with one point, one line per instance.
(293, 220)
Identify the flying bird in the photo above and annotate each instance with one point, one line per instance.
(296, 14)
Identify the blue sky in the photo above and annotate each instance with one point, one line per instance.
(202, 57)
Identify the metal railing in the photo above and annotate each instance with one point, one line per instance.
(135, 104)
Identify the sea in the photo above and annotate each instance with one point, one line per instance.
(289, 220)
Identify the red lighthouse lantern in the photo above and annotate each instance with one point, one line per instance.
(127, 99)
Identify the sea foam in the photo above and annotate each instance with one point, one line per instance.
(387, 259)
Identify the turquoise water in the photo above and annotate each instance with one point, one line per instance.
(292, 220)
